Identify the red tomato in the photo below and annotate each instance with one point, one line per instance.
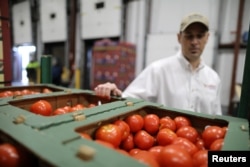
(135, 122)
(156, 150)
(41, 107)
(175, 156)
(26, 92)
(59, 111)
(124, 128)
(200, 144)
(46, 90)
(181, 121)
(33, 92)
(9, 155)
(165, 136)
(17, 93)
(146, 158)
(92, 105)
(167, 122)
(67, 108)
(211, 133)
(104, 143)
(85, 136)
(185, 144)
(6, 93)
(78, 107)
(134, 151)
(2, 95)
(217, 145)
(110, 133)
(143, 140)
(151, 123)
(9, 93)
(188, 132)
(74, 108)
(128, 143)
(200, 158)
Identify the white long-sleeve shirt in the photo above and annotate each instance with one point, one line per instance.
(172, 82)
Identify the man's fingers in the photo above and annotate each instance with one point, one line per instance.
(116, 92)
(107, 89)
(102, 91)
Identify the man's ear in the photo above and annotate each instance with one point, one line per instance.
(179, 37)
(207, 36)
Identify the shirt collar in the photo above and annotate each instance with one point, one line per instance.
(186, 63)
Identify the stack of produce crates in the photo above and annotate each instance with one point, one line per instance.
(56, 140)
(113, 62)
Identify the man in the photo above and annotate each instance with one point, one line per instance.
(181, 81)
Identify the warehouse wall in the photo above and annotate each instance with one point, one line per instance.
(227, 34)
(152, 25)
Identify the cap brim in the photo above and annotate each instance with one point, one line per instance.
(187, 25)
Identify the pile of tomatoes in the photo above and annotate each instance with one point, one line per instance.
(160, 142)
(43, 107)
(15, 156)
(9, 93)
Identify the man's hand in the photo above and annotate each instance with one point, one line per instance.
(107, 90)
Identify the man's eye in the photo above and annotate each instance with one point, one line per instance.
(199, 36)
(189, 36)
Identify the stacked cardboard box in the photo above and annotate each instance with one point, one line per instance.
(113, 62)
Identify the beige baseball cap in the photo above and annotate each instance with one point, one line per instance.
(193, 18)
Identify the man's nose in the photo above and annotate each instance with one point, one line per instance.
(195, 40)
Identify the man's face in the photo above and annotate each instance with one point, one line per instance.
(193, 41)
